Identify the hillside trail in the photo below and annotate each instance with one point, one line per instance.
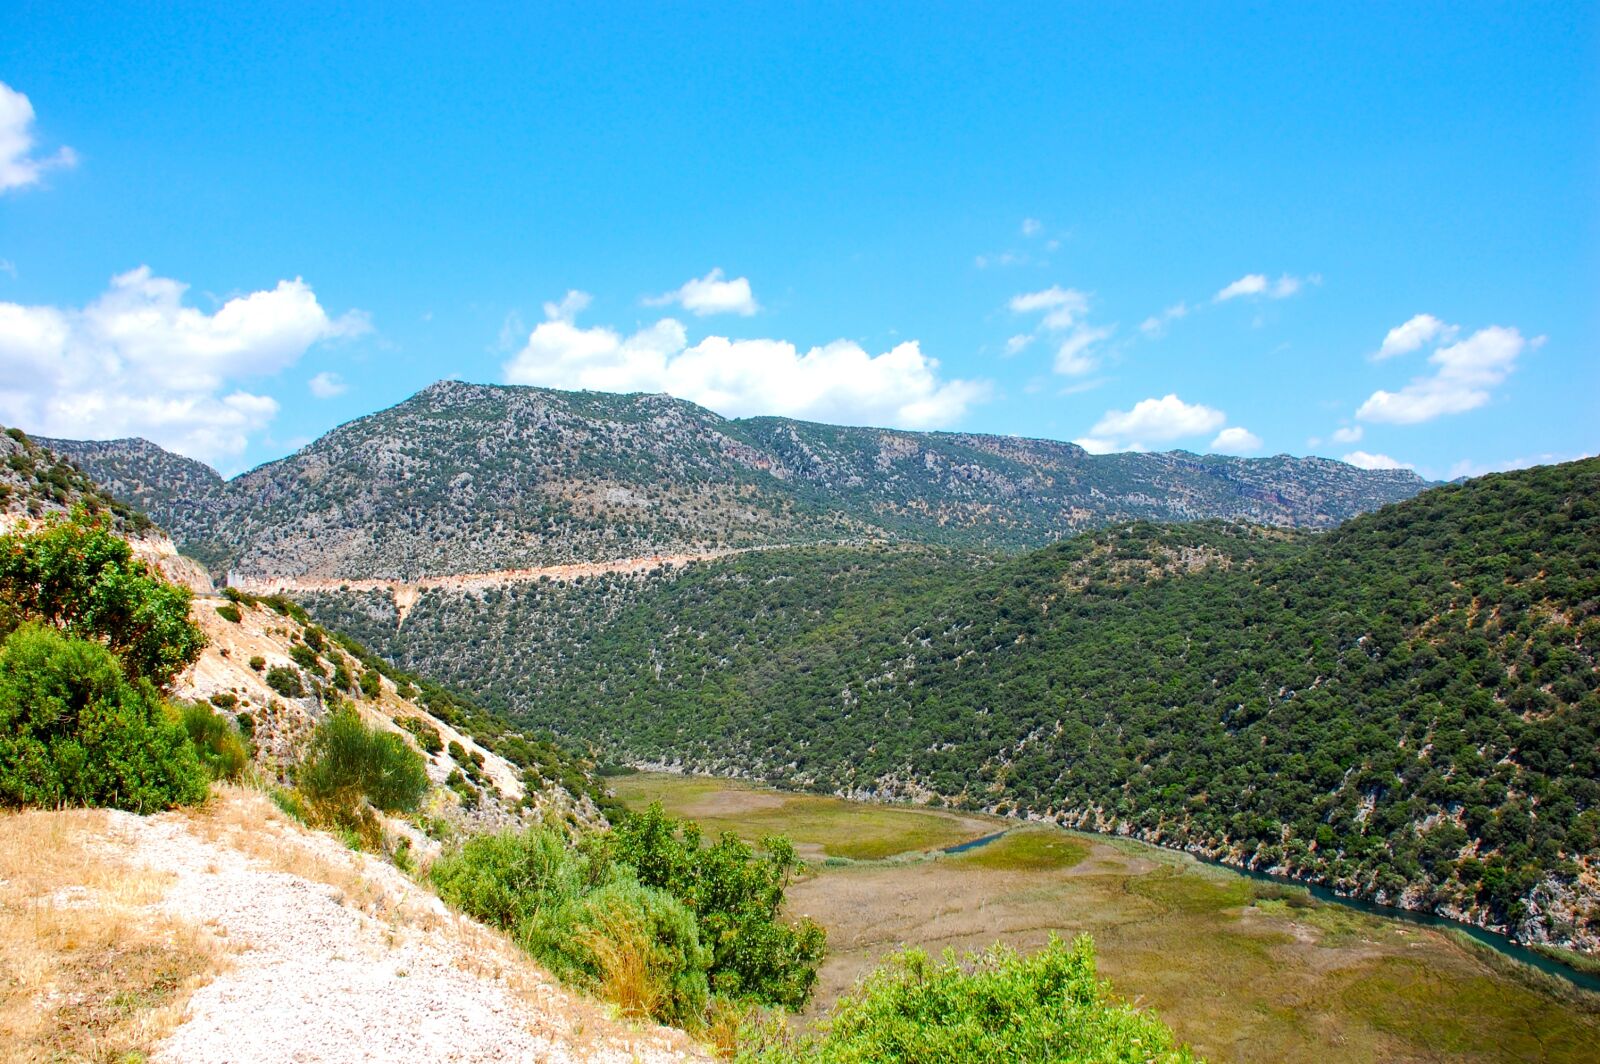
(333, 956)
(406, 592)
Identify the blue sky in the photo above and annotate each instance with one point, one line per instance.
(1261, 229)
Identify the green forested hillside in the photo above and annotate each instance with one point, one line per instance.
(1405, 707)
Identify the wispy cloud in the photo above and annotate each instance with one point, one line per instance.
(1464, 375)
(1413, 334)
(1258, 284)
(711, 294)
(19, 166)
(1061, 312)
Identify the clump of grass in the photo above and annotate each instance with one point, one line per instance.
(1027, 851)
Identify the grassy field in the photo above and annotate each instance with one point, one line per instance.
(1242, 971)
(819, 826)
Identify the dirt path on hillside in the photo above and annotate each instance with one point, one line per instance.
(406, 592)
(336, 956)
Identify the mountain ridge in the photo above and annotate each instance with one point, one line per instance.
(471, 478)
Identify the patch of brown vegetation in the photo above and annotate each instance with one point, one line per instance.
(86, 972)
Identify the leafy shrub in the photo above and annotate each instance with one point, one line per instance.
(286, 681)
(371, 682)
(75, 731)
(997, 1006)
(736, 895)
(426, 734)
(257, 662)
(230, 612)
(77, 576)
(306, 658)
(347, 761)
(224, 700)
(508, 878)
(217, 742)
(636, 946)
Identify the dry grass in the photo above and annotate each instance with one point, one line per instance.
(85, 972)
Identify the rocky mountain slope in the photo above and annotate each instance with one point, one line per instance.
(465, 478)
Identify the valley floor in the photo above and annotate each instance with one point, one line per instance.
(232, 934)
(1238, 973)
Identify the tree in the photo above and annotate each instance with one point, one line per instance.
(75, 575)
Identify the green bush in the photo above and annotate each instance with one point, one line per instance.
(76, 575)
(257, 662)
(75, 731)
(217, 742)
(306, 658)
(736, 895)
(426, 734)
(371, 683)
(997, 1006)
(230, 612)
(507, 879)
(347, 761)
(286, 681)
(636, 946)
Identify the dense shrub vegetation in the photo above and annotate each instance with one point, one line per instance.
(75, 731)
(1404, 707)
(998, 1007)
(643, 914)
(90, 636)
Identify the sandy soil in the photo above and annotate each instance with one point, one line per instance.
(339, 957)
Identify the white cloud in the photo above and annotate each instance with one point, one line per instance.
(1062, 310)
(1420, 330)
(1017, 343)
(1096, 446)
(1002, 258)
(1060, 305)
(1073, 357)
(137, 362)
(1348, 434)
(1031, 226)
(1236, 440)
(326, 385)
(1363, 460)
(1257, 284)
(1154, 421)
(710, 295)
(1462, 378)
(838, 382)
(19, 167)
(1156, 324)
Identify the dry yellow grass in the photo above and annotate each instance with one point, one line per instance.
(85, 972)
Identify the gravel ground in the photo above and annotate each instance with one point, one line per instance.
(348, 960)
